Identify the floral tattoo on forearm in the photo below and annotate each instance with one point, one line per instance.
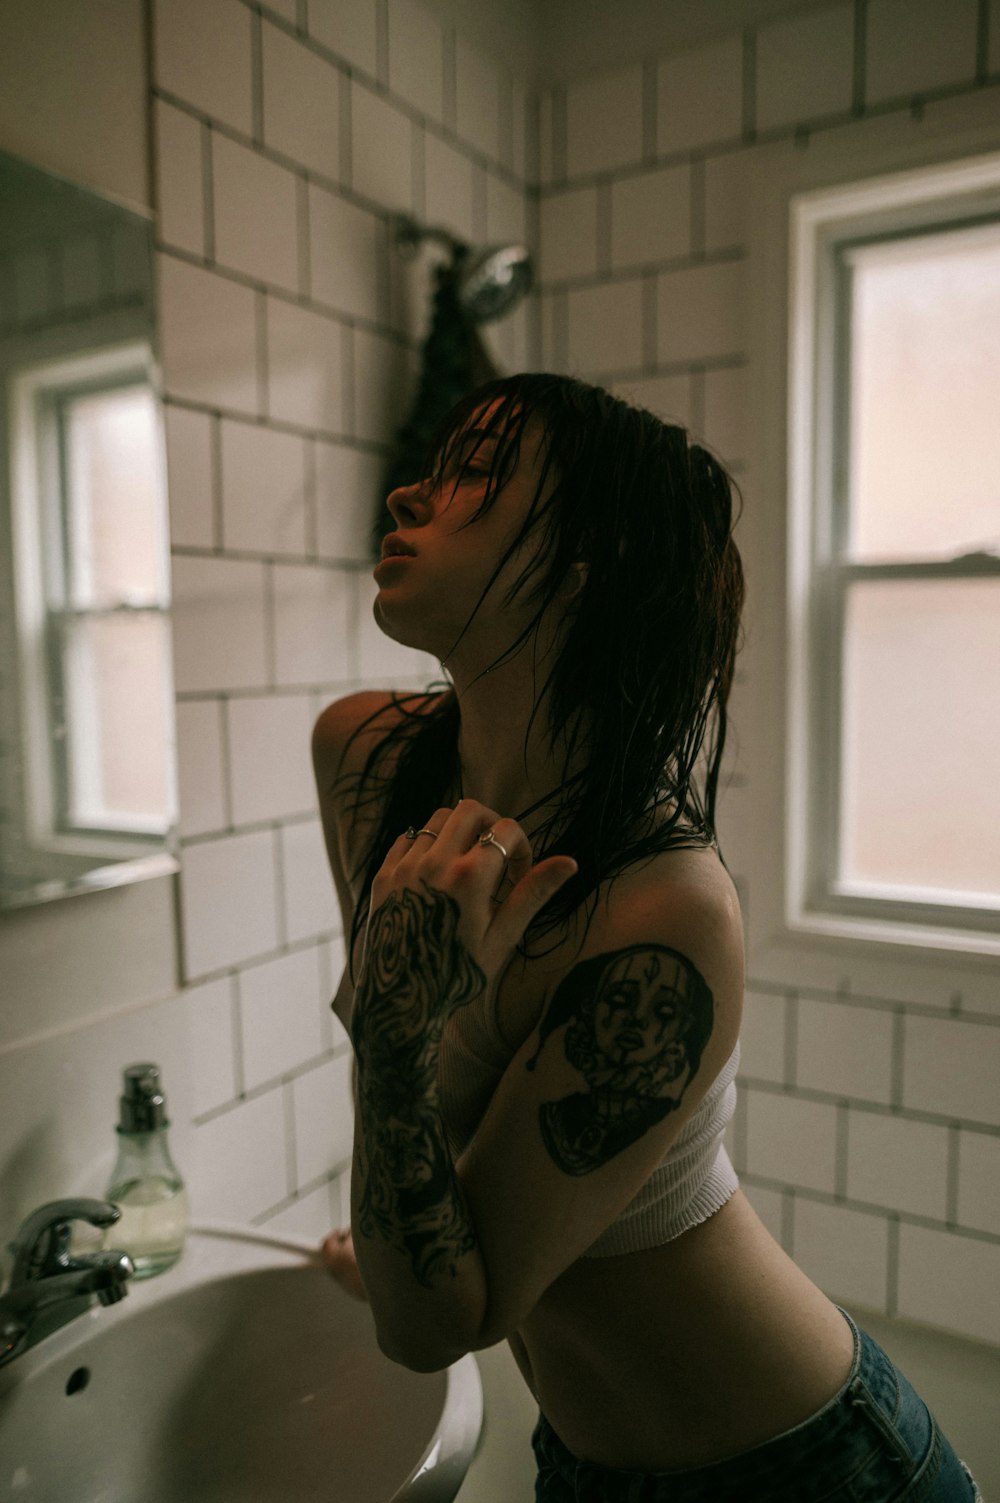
(637, 1021)
(419, 973)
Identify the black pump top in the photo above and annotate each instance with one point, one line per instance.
(143, 1105)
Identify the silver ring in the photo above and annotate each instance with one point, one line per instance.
(490, 839)
(411, 833)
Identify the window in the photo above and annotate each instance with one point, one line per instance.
(894, 565)
(93, 627)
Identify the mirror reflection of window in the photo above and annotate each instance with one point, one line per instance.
(109, 631)
(87, 775)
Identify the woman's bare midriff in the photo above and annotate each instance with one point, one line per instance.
(687, 1353)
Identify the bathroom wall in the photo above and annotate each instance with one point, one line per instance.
(867, 1133)
(280, 139)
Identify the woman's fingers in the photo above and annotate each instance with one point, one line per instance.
(337, 1251)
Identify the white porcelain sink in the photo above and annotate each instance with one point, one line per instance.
(242, 1375)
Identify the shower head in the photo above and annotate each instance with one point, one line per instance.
(491, 282)
(494, 281)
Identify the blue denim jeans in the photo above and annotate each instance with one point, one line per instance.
(874, 1442)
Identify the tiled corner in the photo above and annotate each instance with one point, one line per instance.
(604, 122)
(700, 97)
(270, 770)
(805, 67)
(301, 103)
(279, 1017)
(203, 54)
(228, 901)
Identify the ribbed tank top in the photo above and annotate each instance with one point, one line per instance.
(692, 1181)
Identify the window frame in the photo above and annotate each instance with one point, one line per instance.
(821, 225)
(37, 397)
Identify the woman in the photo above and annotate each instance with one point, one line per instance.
(538, 1134)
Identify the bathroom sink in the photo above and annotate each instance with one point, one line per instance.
(242, 1375)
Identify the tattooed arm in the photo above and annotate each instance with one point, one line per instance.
(455, 1255)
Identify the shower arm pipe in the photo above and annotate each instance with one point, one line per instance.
(409, 235)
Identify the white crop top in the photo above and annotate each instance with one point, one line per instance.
(692, 1181)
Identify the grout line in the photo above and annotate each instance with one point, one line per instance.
(749, 130)
(207, 191)
(263, 368)
(951, 1174)
(382, 42)
(225, 751)
(840, 1153)
(649, 108)
(603, 230)
(698, 208)
(892, 1269)
(257, 77)
(983, 41)
(449, 78)
(303, 221)
(215, 460)
(236, 1025)
(791, 1041)
(860, 60)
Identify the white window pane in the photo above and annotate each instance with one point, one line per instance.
(115, 519)
(119, 761)
(924, 442)
(920, 750)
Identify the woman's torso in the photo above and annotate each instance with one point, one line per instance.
(686, 1353)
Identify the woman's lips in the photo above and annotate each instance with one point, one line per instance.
(393, 558)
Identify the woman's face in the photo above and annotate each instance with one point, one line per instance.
(426, 600)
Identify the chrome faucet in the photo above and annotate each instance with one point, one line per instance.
(46, 1283)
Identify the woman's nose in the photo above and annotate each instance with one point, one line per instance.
(406, 501)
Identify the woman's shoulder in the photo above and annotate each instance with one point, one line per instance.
(351, 725)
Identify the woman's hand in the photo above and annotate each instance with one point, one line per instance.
(337, 1252)
(432, 896)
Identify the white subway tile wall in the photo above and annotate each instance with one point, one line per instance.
(286, 139)
(867, 1131)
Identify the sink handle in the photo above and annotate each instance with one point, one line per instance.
(42, 1244)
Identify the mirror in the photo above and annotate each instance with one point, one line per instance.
(87, 778)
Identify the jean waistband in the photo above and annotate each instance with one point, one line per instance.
(814, 1449)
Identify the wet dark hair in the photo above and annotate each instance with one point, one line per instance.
(649, 652)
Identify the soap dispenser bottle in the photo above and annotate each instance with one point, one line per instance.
(145, 1183)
